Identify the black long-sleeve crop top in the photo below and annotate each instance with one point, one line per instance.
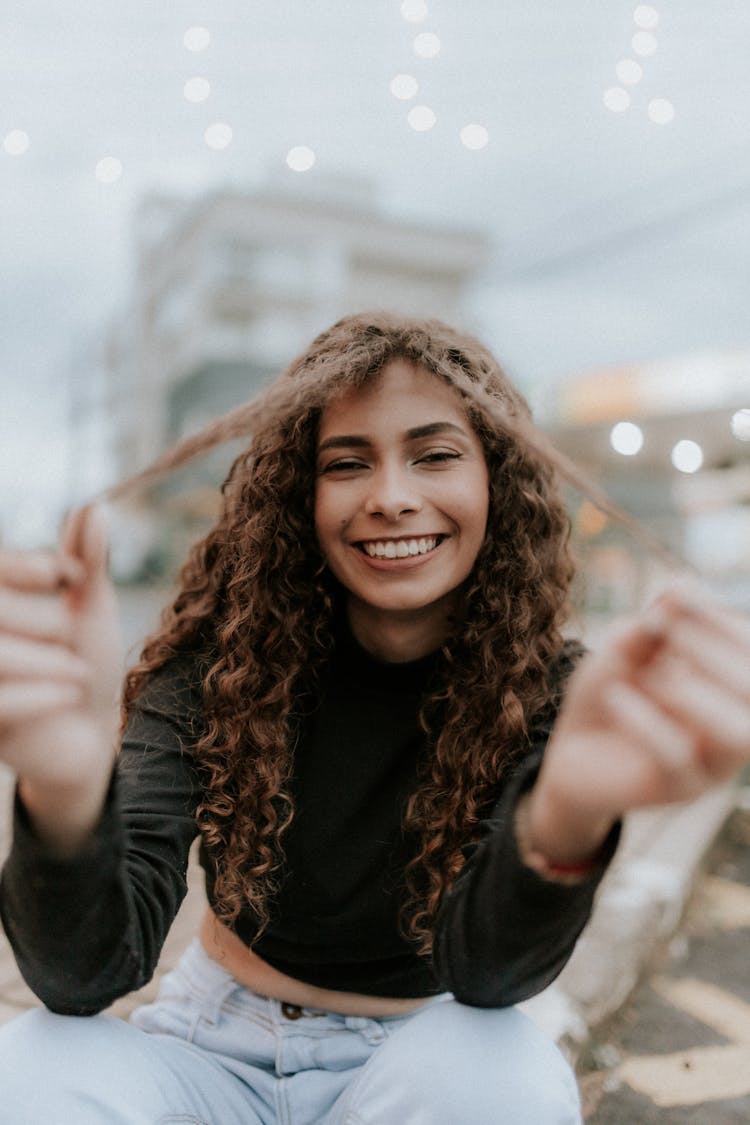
(89, 928)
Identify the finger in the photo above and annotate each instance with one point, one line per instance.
(21, 658)
(689, 601)
(630, 646)
(716, 716)
(665, 740)
(30, 699)
(714, 653)
(85, 537)
(41, 616)
(38, 571)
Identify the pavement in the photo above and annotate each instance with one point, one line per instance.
(677, 1052)
(654, 1007)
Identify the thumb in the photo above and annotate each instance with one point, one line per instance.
(85, 536)
(638, 641)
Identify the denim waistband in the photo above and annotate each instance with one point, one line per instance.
(212, 985)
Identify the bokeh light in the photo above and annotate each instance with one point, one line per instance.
(16, 142)
(474, 136)
(196, 89)
(661, 111)
(414, 10)
(626, 438)
(218, 135)
(427, 45)
(740, 424)
(421, 118)
(590, 521)
(646, 16)
(644, 43)
(300, 158)
(404, 86)
(197, 38)
(616, 99)
(687, 456)
(108, 170)
(629, 71)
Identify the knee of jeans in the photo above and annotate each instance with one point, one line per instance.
(42, 1049)
(455, 1063)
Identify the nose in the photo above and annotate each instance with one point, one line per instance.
(392, 493)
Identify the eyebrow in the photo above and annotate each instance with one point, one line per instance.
(360, 441)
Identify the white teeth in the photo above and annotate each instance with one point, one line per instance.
(400, 549)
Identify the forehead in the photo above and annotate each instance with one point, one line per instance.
(402, 394)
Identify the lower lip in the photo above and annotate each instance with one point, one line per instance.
(408, 562)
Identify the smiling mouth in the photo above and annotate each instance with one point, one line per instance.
(399, 548)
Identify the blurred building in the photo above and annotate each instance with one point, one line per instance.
(227, 290)
(670, 442)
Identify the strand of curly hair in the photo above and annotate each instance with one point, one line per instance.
(255, 598)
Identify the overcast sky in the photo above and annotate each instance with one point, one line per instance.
(616, 238)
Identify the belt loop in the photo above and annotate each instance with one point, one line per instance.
(211, 984)
(212, 1000)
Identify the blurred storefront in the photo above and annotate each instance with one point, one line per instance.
(669, 441)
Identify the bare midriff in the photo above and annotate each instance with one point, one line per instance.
(250, 970)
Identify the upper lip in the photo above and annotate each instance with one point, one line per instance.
(400, 538)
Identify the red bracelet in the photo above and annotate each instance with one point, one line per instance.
(555, 871)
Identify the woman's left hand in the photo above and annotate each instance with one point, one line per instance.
(659, 713)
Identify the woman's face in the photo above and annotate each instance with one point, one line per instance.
(402, 494)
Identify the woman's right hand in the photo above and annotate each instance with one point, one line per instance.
(60, 670)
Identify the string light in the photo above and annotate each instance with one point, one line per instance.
(661, 111)
(740, 424)
(629, 71)
(414, 10)
(16, 142)
(404, 86)
(687, 456)
(108, 170)
(421, 118)
(590, 521)
(197, 38)
(644, 43)
(300, 158)
(196, 89)
(218, 135)
(626, 438)
(645, 16)
(427, 45)
(616, 99)
(474, 136)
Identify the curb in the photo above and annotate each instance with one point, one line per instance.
(639, 905)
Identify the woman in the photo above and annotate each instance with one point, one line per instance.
(355, 698)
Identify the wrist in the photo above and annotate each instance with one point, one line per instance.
(555, 851)
(63, 816)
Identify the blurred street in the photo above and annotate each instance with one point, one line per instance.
(678, 1053)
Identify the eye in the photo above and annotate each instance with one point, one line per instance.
(344, 465)
(438, 456)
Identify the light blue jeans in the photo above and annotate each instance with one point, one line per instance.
(210, 1052)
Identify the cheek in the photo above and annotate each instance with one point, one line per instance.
(328, 517)
(319, 516)
(475, 506)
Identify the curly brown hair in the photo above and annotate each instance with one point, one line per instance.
(256, 602)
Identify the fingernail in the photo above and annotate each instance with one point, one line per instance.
(72, 573)
(656, 617)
